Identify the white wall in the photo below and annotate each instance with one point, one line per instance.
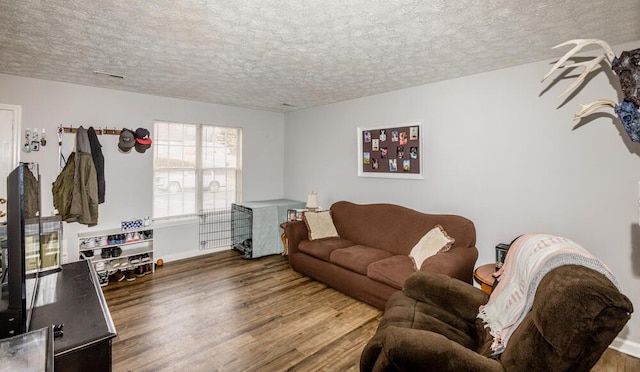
(129, 181)
(498, 151)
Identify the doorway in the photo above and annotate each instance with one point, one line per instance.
(10, 117)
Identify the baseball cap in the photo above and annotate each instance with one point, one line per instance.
(143, 136)
(141, 148)
(126, 140)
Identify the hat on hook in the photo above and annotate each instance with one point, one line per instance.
(143, 140)
(143, 136)
(126, 140)
(141, 148)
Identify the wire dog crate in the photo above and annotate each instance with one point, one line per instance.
(215, 228)
(241, 232)
(255, 226)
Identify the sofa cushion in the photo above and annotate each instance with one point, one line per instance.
(434, 241)
(322, 248)
(392, 271)
(320, 225)
(357, 258)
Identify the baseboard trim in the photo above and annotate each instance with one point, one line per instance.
(190, 254)
(626, 346)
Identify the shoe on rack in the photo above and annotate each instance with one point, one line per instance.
(139, 270)
(100, 266)
(88, 243)
(145, 257)
(130, 237)
(118, 276)
(121, 238)
(134, 260)
(106, 253)
(102, 241)
(103, 279)
(147, 269)
(116, 251)
(130, 275)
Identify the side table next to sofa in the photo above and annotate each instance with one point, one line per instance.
(484, 276)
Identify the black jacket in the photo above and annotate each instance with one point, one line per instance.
(98, 161)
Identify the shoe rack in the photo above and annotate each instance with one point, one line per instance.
(117, 254)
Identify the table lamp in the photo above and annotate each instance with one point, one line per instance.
(312, 201)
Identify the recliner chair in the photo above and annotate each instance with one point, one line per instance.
(431, 325)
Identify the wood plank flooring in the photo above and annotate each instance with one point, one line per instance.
(221, 313)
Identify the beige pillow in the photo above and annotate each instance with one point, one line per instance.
(436, 240)
(320, 225)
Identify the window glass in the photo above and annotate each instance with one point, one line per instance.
(195, 167)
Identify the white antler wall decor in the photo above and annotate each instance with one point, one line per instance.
(626, 66)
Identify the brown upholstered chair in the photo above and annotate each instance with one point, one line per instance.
(431, 325)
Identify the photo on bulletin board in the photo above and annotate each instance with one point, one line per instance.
(391, 151)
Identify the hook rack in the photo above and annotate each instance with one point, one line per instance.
(99, 131)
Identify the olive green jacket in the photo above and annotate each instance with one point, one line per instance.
(75, 191)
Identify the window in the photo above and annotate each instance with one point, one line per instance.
(195, 167)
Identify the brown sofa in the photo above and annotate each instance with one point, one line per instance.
(370, 260)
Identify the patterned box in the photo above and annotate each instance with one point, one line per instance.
(128, 225)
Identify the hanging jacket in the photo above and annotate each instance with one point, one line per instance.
(98, 161)
(31, 194)
(84, 203)
(82, 141)
(63, 187)
(75, 190)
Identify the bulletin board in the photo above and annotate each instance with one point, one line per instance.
(390, 151)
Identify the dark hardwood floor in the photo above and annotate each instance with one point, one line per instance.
(221, 313)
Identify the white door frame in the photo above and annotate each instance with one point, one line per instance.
(12, 130)
(15, 129)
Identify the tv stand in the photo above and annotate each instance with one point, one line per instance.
(72, 296)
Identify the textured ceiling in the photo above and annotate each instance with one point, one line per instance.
(270, 54)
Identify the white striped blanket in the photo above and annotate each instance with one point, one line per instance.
(528, 260)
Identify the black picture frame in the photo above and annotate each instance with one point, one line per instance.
(501, 254)
(391, 151)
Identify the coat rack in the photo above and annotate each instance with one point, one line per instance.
(99, 131)
(62, 129)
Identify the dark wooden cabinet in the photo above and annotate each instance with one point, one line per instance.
(72, 296)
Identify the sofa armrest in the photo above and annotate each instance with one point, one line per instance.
(405, 349)
(451, 294)
(458, 262)
(296, 231)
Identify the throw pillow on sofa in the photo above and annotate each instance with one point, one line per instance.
(434, 241)
(320, 225)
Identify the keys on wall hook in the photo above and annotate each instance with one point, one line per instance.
(27, 141)
(33, 140)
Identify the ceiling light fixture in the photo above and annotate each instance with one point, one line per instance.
(284, 104)
(109, 74)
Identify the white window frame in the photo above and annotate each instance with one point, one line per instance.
(199, 170)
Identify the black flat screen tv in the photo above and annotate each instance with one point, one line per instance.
(23, 240)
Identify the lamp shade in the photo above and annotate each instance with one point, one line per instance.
(312, 201)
